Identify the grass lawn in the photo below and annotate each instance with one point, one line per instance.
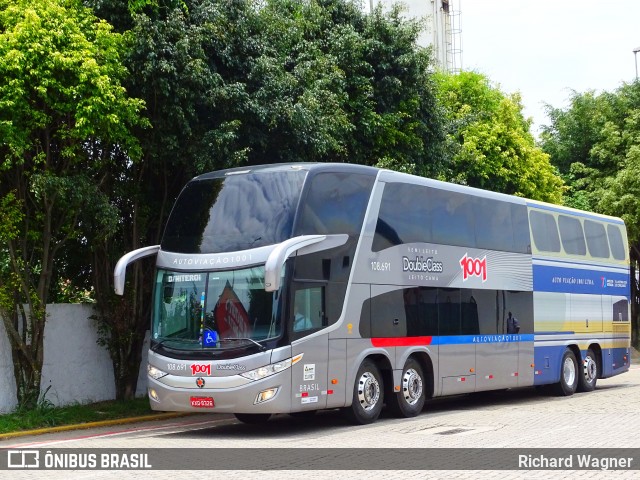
(46, 415)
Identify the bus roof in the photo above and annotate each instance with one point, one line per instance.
(282, 167)
(393, 176)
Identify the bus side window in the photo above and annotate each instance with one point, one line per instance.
(495, 230)
(452, 218)
(596, 239)
(545, 231)
(335, 203)
(618, 250)
(308, 309)
(572, 235)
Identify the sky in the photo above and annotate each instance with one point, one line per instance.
(546, 48)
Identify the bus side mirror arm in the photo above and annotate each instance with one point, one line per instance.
(279, 255)
(120, 272)
(303, 244)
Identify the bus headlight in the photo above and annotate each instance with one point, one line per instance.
(154, 395)
(272, 369)
(265, 395)
(155, 373)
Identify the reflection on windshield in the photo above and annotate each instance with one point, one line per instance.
(195, 311)
(234, 213)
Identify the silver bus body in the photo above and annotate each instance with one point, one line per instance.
(410, 305)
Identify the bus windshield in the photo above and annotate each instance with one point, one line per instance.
(213, 310)
(233, 213)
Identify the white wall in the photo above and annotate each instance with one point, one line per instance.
(7, 382)
(76, 368)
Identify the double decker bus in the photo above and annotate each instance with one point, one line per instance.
(299, 287)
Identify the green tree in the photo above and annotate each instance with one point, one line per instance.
(63, 111)
(351, 86)
(190, 65)
(569, 140)
(490, 140)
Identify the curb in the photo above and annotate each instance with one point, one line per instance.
(102, 423)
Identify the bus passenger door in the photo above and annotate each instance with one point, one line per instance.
(309, 375)
(457, 351)
(497, 344)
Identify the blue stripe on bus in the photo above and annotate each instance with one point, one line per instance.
(487, 338)
(451, 340)
(481, 338)
(575, 280)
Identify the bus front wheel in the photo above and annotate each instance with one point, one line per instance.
(253, 418)
(568, 375)
(409, 401)
(368, 395)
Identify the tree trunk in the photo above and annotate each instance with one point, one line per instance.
(122, 321)
(26, 353)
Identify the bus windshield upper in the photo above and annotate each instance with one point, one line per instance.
(234, 212)
(213, 310)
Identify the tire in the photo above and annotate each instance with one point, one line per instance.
(568, 383)
(368, 395)
(588, 373)
(409, 401)
(253, 418)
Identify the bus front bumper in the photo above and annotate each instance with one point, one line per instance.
(268, 395)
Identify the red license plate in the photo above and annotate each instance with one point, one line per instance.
(202, 402)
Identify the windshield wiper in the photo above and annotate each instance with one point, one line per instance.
(170, 339)
(260, 346)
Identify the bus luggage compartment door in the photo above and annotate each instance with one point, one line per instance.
(457, 362)
(459, 384)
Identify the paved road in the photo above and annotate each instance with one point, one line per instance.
(606, 418)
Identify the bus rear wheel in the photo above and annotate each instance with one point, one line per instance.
(588, 375)
(409, 401)
(253, 418)
(368, 395)
(568, 375)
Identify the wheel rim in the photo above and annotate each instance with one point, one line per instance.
(569, 371)
(590, 369)
(411, 386)
(368, 391)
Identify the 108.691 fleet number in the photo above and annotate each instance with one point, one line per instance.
(381, 266)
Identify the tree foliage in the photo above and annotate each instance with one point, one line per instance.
(61, 106)
(490, 140)
(283, 80)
